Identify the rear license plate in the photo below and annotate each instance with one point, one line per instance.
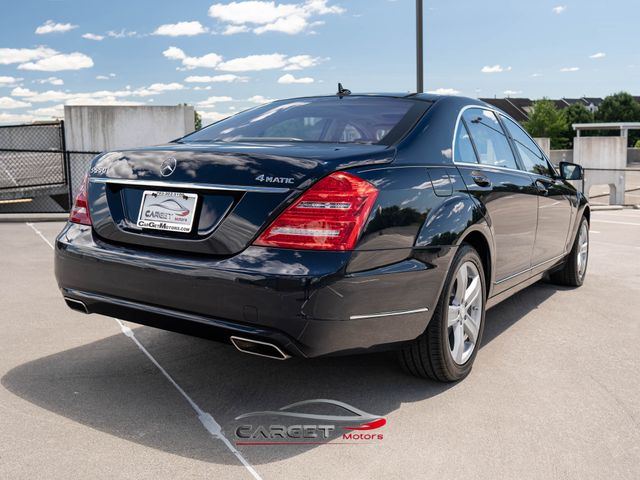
(171, 211)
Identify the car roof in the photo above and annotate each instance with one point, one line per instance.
(429, 97)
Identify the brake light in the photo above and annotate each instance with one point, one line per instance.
(80, 211)
(328, 216)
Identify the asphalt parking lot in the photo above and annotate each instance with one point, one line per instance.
(554, 393)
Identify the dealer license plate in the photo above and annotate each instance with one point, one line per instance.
(171, 211)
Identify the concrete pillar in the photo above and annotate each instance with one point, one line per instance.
(545, 145)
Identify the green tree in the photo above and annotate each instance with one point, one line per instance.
(576, 113)
(637, 145)
(621, 107)
(546, 121)
(197, 120)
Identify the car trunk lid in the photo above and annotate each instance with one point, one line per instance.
(219, 195)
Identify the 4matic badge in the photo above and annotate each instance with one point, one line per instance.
(302, 428)
(272, 179)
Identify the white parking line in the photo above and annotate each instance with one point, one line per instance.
(617, 223)
(207, 420)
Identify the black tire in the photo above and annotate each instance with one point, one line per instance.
(570, 274)
(429, 355)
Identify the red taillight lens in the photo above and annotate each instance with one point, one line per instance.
(80, 211)
(328, 216)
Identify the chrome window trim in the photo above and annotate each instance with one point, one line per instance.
(388, 314)
(540, 151)
(478, 164)
(188, 186)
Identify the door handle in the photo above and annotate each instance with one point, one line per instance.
(480, 179)
(542, 187)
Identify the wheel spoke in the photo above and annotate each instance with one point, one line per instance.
(472, 292)
(461, 284)
(452, 315)
(471, 329)
(458, 343)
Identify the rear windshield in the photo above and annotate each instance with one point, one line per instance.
(368, 120)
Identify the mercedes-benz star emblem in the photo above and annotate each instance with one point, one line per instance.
(168, 167)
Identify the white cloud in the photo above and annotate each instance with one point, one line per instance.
(224, 78)
(250, 63)
(288, 78)
(559, 9)
(569, 69)
(536, 75)
(61, 61)
(51, 81)
(121, 34)
(211, 101)
(51, 27)
(445, 91)
(22, 55)
(254, 63)
(259, 99)
(210, 60)
(16, 118)
(93, 36)
(298, 62)
(102, 77)
(174, 53)
(8, 102)
(106, 97)
(495, 69)
(269, 16)
(598, 55)
(6, 81)
(233, 29)
(210, 117)
(159, 88)
(511, 93)
(187, 29)
(56, 111)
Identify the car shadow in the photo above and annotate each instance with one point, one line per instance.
(110, 386)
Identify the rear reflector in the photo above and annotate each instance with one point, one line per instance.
(328, 216)
(80, 211)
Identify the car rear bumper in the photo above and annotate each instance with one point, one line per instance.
(307, 303)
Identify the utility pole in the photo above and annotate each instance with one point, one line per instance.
(419, 49)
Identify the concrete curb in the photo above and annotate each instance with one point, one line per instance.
(33, 217)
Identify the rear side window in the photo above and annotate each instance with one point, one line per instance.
(353, 119)
(490, 140)
(531, 155)
(464, 152)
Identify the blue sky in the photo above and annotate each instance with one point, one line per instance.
(224, 56)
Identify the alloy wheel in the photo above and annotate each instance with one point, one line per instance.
(464, 313)
(583, 249)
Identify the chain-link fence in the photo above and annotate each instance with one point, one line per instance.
(37, 172)
(32, 156)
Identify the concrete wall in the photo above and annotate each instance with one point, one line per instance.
(605, 153)
(100, 128)
(545, 144)
(558, 156)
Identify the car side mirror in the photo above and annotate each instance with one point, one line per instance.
(571, 171)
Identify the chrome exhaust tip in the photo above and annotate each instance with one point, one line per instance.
(77, 305)
(255, 347)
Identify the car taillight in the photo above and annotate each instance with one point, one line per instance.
(328, 216)
(80, 211)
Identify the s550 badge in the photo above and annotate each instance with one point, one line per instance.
(271, 179)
